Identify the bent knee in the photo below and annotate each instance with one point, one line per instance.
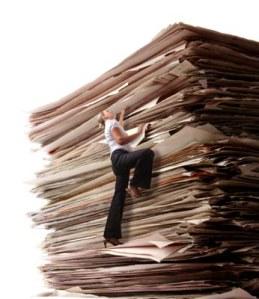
(150, 152)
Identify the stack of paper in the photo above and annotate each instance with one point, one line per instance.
(196, 230)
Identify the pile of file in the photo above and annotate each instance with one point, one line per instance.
(196, 231)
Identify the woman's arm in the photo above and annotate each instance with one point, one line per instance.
(121, 122)
(122, 139)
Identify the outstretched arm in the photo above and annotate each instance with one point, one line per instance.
(122, 139)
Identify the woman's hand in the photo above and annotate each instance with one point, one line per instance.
(142, 128)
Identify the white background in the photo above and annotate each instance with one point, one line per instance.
(47, 50)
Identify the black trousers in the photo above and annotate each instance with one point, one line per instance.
(122, 162)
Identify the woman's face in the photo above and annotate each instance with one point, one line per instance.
(108, 114)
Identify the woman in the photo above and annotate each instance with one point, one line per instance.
(123, 158)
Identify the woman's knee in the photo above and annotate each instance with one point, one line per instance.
(150, 152)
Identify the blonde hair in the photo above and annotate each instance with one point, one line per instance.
(100, 120)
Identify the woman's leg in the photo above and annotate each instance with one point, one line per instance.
(142, 160)
(143, 171)
(113, 223)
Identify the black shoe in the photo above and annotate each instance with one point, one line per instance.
(113, 241)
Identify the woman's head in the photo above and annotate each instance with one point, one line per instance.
(103, 115)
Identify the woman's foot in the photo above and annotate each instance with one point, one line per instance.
(134, 191)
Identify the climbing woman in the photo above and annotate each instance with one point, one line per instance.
(123, 158)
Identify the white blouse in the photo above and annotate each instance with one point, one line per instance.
(113, 145)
